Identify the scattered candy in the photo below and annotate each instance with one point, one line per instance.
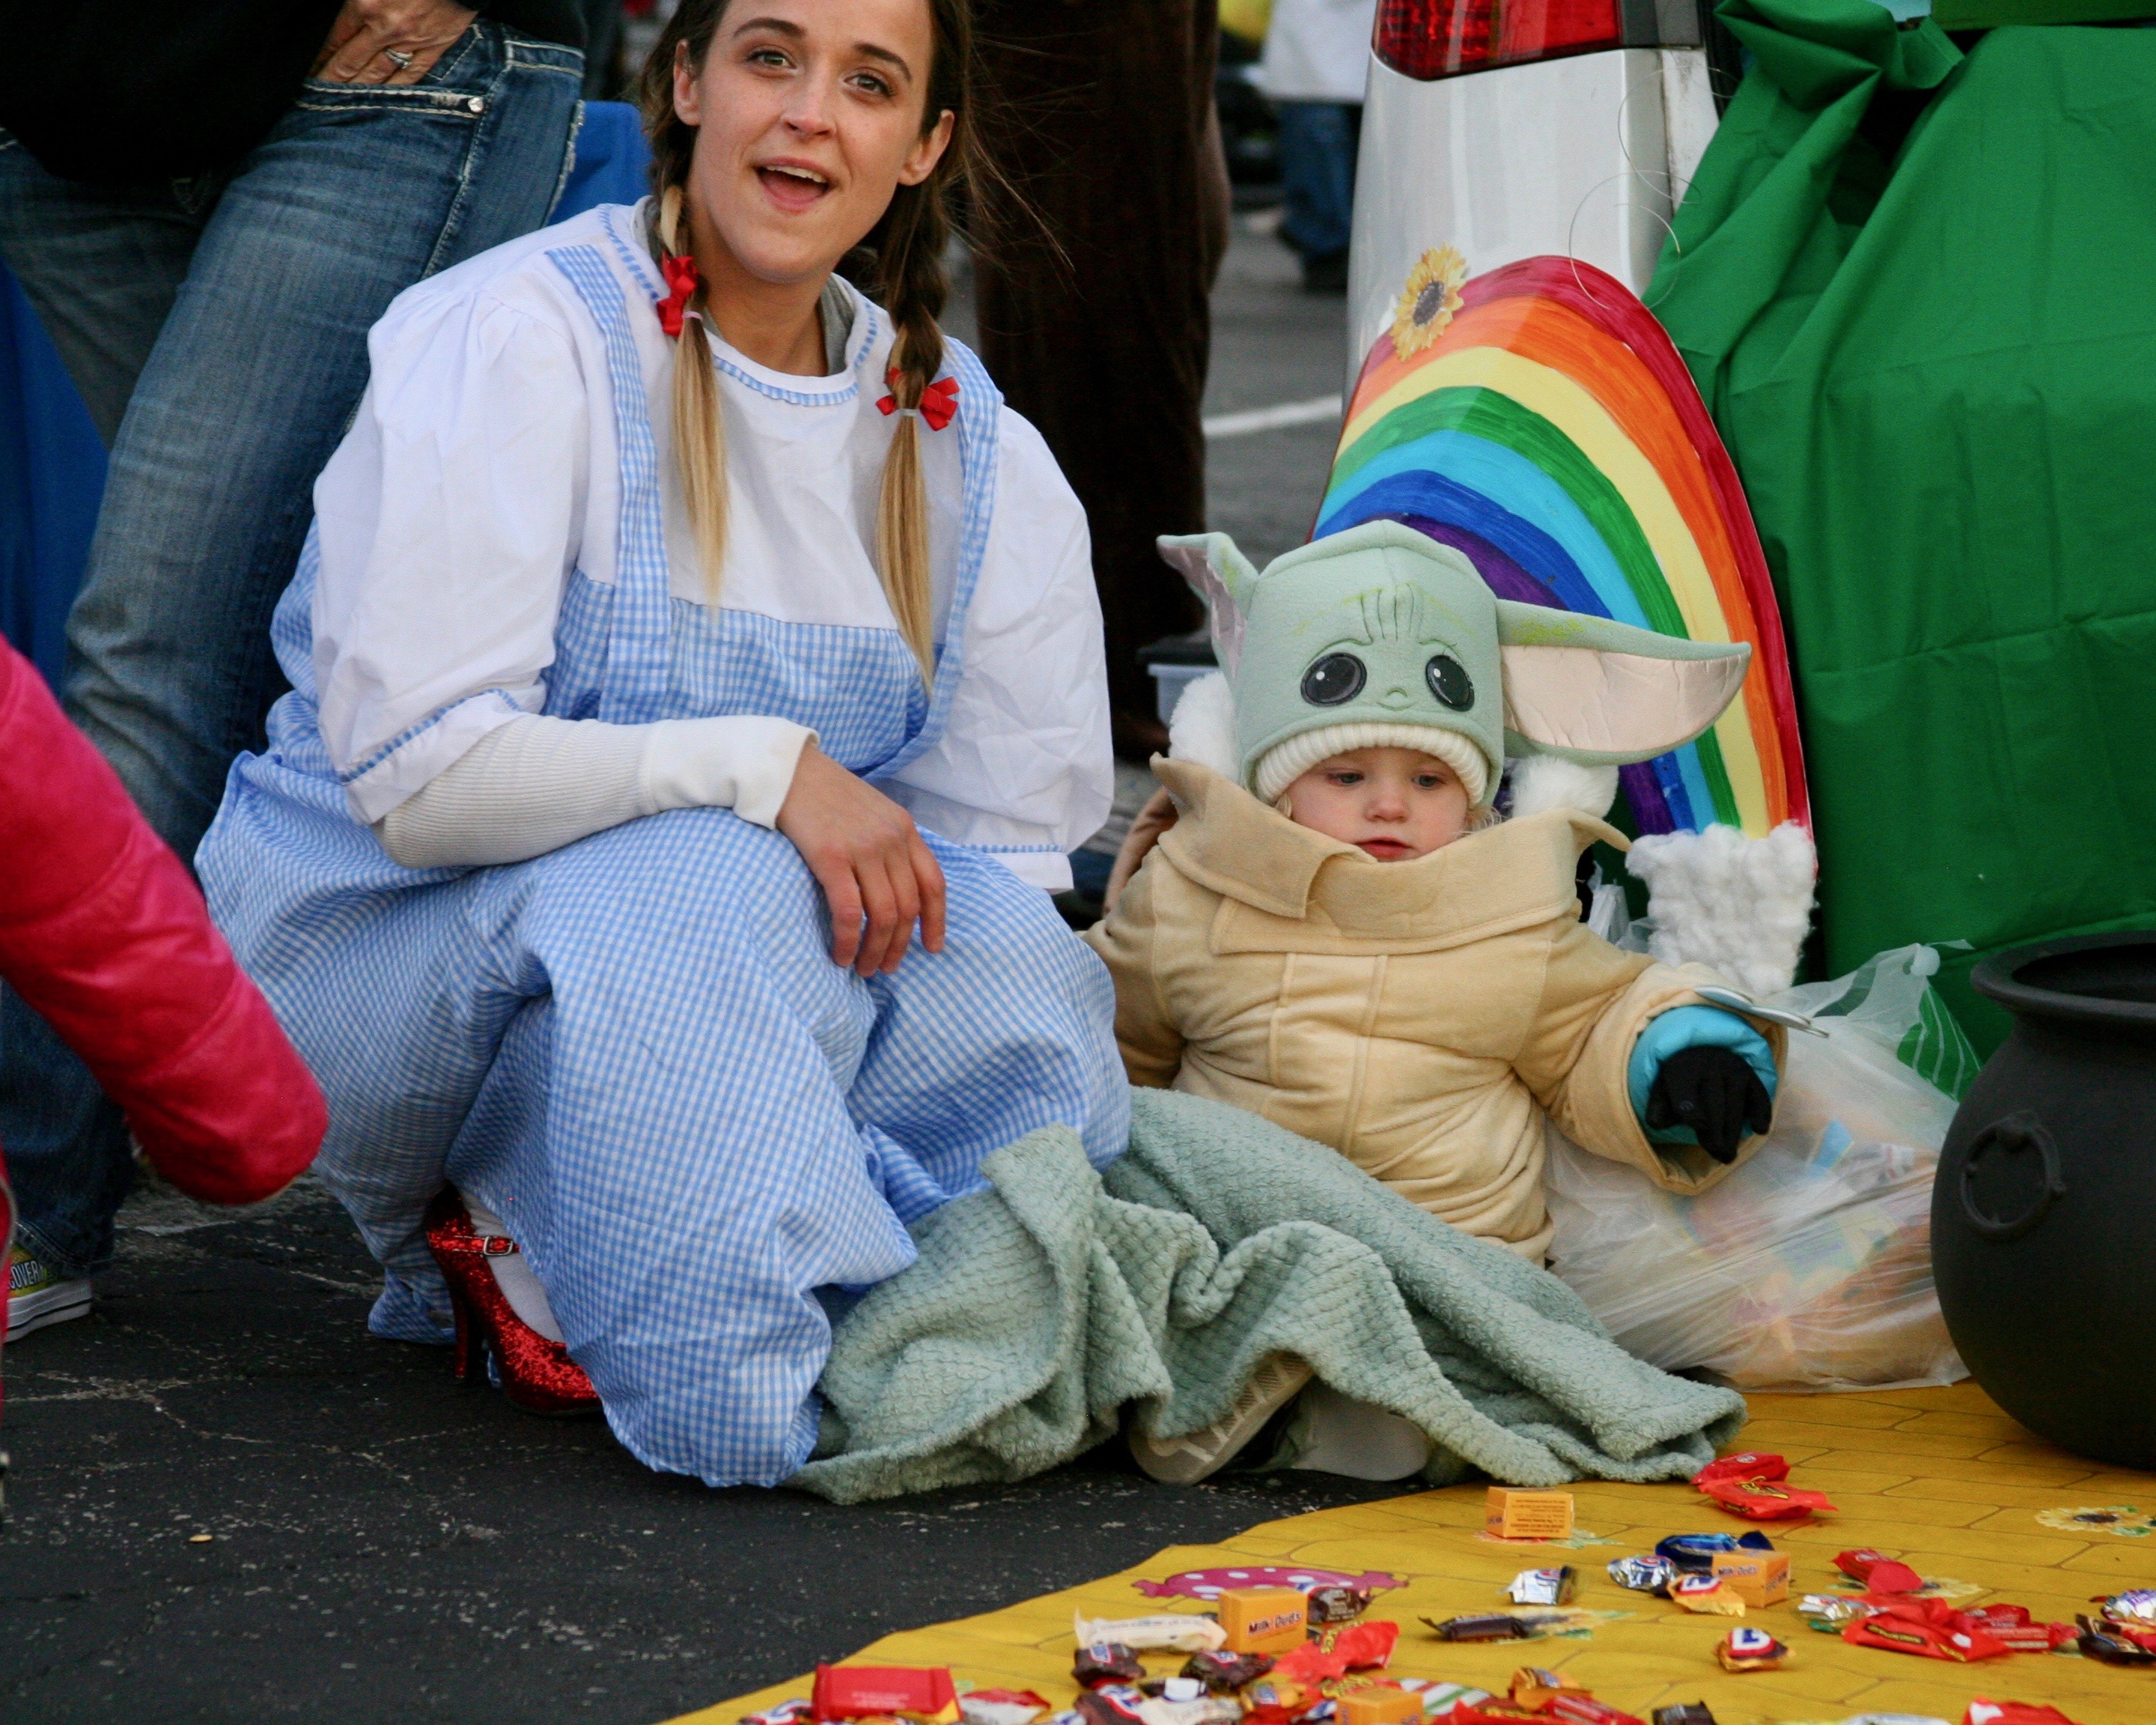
(1169, 1630)
(1367, 1646)
(1695, 1551)
(787, 1713)
(1513, 1514)
(1533, 1687)
(1482, 1626)
(1751, 1649)
(1227, 1670)
(999, 1707)
(2101, 1641)
(1278, 1694)
(2136, 1606)
(1760, 1579)
(1543, 1587)
(1649, 1575)
(1876, 1573)
(1263, 1620)
(1441, 1700)
(1923, 1627)
(1197, 1709)
(1380, 1704)
(1830, 1611)
(2012, 1712)
(1579, 1707)
(1337, 1603)
(1706, 1594)
(1751, 1486)
(1098, 1662)
(1112, 1704)
(2013, 1626)
(859, 1691)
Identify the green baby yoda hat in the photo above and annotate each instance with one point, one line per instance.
(1380, 636)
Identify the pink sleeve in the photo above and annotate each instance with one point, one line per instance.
(104, 933)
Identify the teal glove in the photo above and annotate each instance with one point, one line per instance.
(1701, 1076)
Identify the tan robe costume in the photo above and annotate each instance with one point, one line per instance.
(1422, 1018)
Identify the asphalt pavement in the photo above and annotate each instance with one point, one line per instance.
(228, 1504)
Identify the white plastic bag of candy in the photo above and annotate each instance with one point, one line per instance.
(1809, 1268)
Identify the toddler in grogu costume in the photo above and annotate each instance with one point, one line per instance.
(1337, 933)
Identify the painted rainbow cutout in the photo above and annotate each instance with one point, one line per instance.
(1552, 433)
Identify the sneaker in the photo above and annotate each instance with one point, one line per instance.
(37, 1296)
(1197, 1455)
(1331, 1434)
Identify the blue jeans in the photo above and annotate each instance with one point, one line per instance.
(217, 328)
(1317, 141)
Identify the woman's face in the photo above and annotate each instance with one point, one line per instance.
(808, 117)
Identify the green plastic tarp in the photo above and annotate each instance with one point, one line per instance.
(1932, 350)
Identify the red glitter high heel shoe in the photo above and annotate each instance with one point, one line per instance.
(537, 1375)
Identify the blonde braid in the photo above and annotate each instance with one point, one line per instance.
(700, 425)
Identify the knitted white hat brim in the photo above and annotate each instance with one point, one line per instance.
(1284, 764)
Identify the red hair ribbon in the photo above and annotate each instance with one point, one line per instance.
(939, 401)
(682, 280)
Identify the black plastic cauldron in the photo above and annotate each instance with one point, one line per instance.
(2044, 1218)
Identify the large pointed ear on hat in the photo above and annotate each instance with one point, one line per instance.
(1604, 693)
(1222, 577)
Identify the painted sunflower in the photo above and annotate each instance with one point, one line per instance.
(2122, 1519)
(1426, 304)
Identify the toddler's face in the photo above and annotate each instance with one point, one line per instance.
(1395, 803)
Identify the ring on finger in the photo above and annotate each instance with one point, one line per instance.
(402, 62)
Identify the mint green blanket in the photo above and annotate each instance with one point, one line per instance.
(1040, 1307)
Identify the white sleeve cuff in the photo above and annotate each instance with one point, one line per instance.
(1047, 869)
(745, 764)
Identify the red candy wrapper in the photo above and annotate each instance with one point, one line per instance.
(2013, 1626)
(1923, 1627)
(1577, 1707)
(1751, 1485)
(1001, 1706)
(1309, 1665)
(2012, 1712)
(1367, 1646)
(855, 1691)
(1752, 1465)
(1876, 1573)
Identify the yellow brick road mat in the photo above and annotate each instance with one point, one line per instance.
(1939, 1478)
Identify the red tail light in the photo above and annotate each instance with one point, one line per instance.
(1438, 39)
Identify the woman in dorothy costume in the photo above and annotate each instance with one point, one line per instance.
(681, 632)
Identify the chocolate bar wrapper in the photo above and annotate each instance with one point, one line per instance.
(1100, 1662)
(1169, 1631)
(1337, 1603)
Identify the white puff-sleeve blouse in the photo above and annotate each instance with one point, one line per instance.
(482, 472)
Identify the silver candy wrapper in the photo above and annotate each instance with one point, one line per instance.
(1543, 1587)
(1648, 1574)
(1836, 1608)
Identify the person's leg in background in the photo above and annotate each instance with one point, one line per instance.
(360, 191)
(1317, 147)
(1106, 129)
(603, 80)
(102, 265)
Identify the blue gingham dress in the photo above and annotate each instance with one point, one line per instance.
(636, 1048)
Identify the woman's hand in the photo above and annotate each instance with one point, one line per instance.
(390, 41)
(867, 855)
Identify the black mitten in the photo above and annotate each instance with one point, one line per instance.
(1714, 1092)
